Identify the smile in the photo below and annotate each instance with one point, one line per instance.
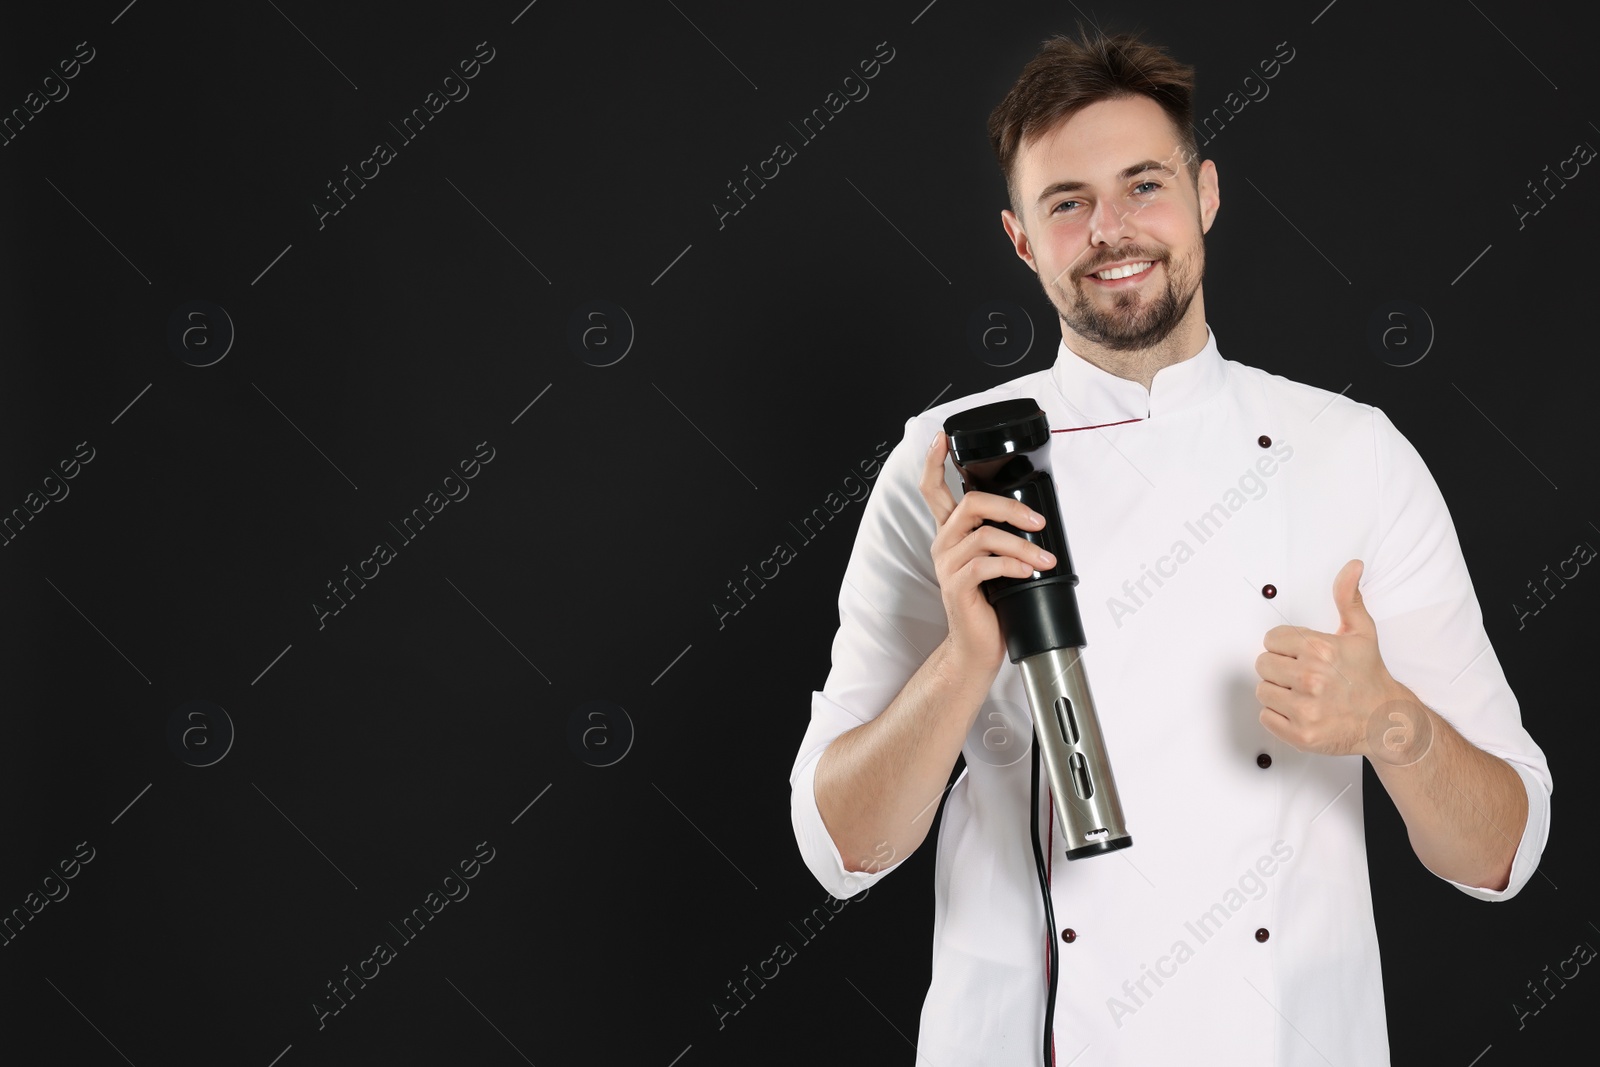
(1126, 271)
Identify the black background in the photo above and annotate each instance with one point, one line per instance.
(768, 357)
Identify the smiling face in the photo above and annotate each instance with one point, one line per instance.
(1106, 192)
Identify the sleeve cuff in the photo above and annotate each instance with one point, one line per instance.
(1530, 849)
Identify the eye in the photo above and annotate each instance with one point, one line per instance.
(1153, 186)
(1061, 205)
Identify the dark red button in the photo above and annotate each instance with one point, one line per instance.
(1263, 761)
(1264, 441)
(1262, 935)
(1269, 591)
(1069, 935)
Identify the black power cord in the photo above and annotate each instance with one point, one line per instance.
(1049, 911)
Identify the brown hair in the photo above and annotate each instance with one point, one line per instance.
(1067, 76)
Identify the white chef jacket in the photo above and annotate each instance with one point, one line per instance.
(1238, 928)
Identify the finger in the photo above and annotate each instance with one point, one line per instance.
(1277, 669)
(1282, 701)
(986, 543)
(935, 493)
(1353, 614)
(992, 540)
(1277, 725)
(979, 507)
(1287, 641)
(985, 568)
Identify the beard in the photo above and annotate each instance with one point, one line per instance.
(1136, 320)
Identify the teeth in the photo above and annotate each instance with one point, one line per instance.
(1123, 272)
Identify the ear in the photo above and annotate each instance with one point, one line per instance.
(1210, 198)
(1019, 238)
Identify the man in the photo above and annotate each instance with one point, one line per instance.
(1272, 591)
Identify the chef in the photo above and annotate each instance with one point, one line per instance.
(1272, 591)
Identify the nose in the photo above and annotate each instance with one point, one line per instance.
(1108, 224)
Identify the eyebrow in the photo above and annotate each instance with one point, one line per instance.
(1122, 176)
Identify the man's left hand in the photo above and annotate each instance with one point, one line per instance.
(1325, 692)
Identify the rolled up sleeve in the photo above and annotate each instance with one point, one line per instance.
(891, 617)
(1431, 633)
(1530, 848)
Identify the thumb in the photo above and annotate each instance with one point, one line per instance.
(1353, 616)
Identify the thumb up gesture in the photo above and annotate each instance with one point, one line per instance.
(1331, 693)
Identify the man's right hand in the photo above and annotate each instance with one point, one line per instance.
(877, 783)
(968, 552)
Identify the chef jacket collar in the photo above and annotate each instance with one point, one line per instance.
(1096, 397)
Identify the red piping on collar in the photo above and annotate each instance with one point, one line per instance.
(1103, 425)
